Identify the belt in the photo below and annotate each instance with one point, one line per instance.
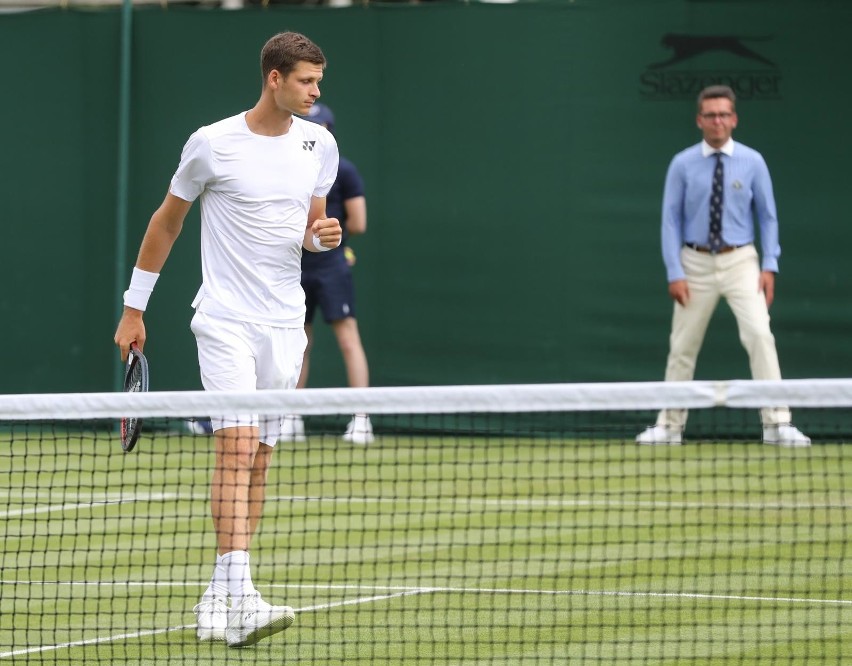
(706, 250)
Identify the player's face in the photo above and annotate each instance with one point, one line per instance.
(717, 120)
(297, 91)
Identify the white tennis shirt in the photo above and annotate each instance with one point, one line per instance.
(255, 195)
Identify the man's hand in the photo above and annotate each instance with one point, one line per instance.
(766, 285)
(131, 328)
(679, 291)
(328, 230)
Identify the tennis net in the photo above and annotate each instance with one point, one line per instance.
(483, 525)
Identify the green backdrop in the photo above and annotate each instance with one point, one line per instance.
(513, 157)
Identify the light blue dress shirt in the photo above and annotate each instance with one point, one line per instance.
(748, 198)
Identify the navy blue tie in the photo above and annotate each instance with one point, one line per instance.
(717, 197)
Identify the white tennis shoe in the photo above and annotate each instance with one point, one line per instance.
(211, 614)
(254, 620)
(657, 435)
(785, 434)
(359, 431)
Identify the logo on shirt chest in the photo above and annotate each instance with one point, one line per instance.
(308, 145)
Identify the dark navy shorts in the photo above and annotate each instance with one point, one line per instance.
(332, 289)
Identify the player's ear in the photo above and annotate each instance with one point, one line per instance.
(273, 79)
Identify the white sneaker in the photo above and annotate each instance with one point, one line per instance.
(254, 619)
(292, 429)
(211, 615)
(785, 434)
(359, 431)
(657, 435)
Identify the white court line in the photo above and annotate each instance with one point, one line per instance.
(118, 499)
(92, 641)
(154, 632)
(533, 502)
(401, 592)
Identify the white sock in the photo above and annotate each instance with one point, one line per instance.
(218, 586)
(236, 564)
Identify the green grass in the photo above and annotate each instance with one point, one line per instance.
(427, 550)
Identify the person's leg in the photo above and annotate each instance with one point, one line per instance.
(232, 476)
(689, 325)
(360, 428)
(278, 354)
(337, 301)
(257, 487)
(306, 360)
(226, 363)
(354, 358)
(740, 278)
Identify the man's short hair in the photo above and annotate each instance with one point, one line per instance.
(714, 92)
(284, 50)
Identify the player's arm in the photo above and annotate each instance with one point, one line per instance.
(163, 229)
(321, 233)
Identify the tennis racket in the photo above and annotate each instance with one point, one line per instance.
(135, 381)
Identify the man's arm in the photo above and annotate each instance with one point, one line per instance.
(356, 215)
(163, 229)
(763, 203)
(321, 233)
(671, 229)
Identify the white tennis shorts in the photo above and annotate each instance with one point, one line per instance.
(240, 356)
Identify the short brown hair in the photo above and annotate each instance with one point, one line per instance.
(714, 92)
(284, 50)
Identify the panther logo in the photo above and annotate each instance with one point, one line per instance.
(689, 46)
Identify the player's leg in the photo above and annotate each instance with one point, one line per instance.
(293, 426)
(232, 495)
(226, 362)
(257, 487)
(312, 284)
(306, 361)
(279, 355)
(740, 275)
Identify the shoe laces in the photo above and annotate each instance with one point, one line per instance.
(252, 603)
(210, 605)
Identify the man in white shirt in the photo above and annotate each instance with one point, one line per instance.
(262, 177)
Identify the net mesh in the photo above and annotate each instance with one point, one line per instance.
(483, 525)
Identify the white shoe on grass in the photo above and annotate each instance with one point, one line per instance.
(657, 435)
(211, 614)
(254, 620)
(359, 431)
(785, 434)
(292, 429)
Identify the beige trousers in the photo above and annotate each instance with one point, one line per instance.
(733, 276)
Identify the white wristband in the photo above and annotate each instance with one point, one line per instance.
(319, 246)
(141, 285)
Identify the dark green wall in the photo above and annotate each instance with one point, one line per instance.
(513, 156)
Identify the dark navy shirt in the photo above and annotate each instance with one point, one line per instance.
(348, 185)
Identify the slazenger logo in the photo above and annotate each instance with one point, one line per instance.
(308, 145)
(758, 78)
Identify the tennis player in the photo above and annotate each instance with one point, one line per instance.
(262, 177)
